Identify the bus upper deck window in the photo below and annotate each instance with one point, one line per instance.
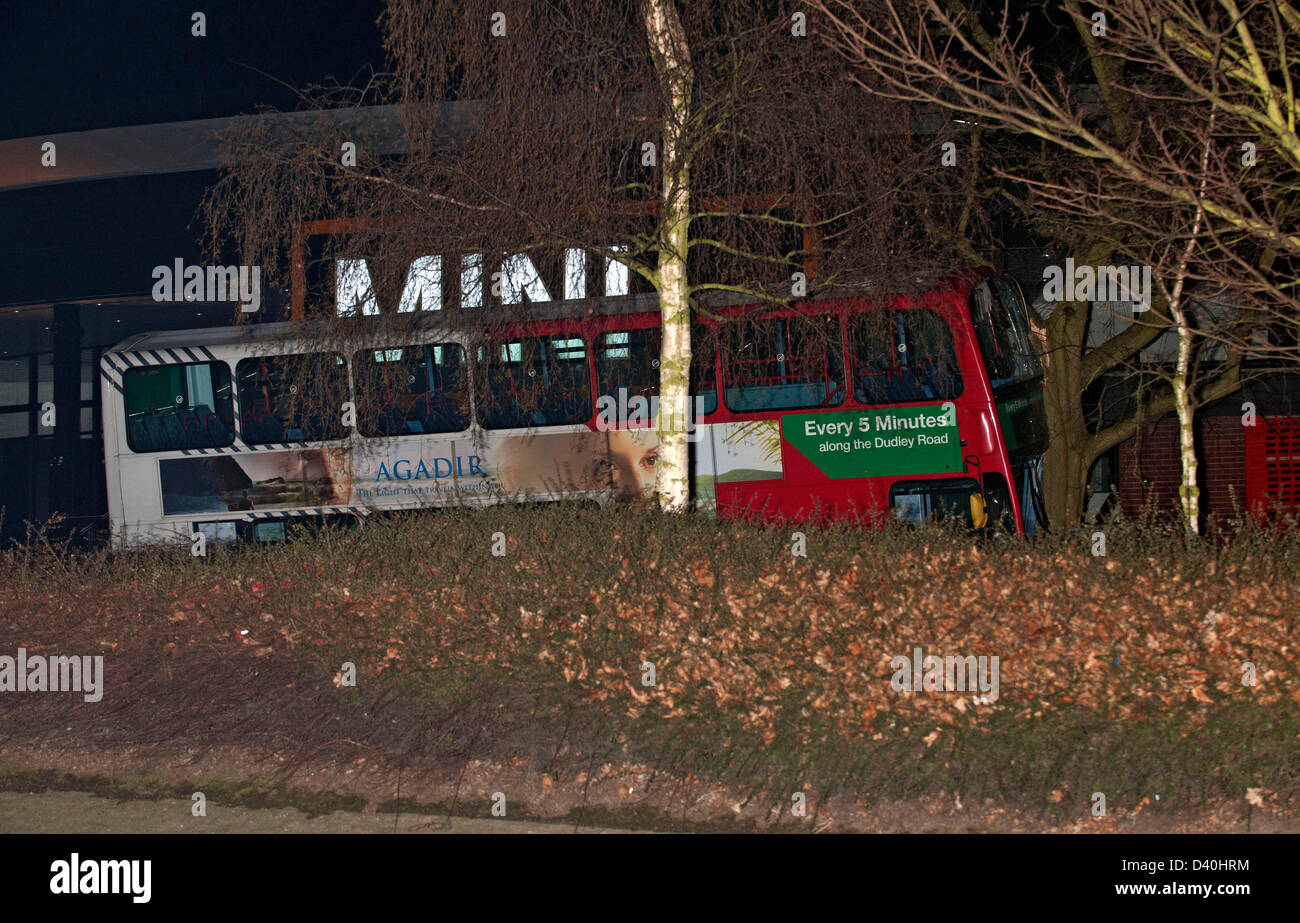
(412, 390)
(533, 381)
(903, 356)
(291, 398)
(1002, 330)
(179, 406)
(1015, 328)
(783, 363)
(629, 359)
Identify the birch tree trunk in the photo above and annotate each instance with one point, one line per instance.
(1188, 491)
(672, 61)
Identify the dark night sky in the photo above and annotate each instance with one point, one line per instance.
(89, 64)
(85, 65)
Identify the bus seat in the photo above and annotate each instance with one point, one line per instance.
(559, 406)
(870, 387)
(175, 437)
(780, 397)
(903, 388)
(157, 437)
(453, 416)
(315, 427)
(392, 420)
(298, 428)
(261, 427)
(440, 414)
(192, 424)
(422, 418)
(216, 431)
(939, 382)
(139, 434)
(505, 413)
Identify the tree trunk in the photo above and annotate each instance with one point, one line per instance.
(1065, 475)
(673, 66)
(1069, 453)
(1188, 491)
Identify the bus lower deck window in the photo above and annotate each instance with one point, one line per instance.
(269, 531)
(933, 500)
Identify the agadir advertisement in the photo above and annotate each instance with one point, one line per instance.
(623, 461)
(534, 463)
(872, 443)
(255, 481)
(406, 472)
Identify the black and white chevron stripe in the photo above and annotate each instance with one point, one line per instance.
(305, 511)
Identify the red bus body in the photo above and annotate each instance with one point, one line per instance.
(804, 491)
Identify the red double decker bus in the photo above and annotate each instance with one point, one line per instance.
(917, 405)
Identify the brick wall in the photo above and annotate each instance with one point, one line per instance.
(1149, 467)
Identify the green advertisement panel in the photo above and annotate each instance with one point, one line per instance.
(1007, 411)
(871, 443)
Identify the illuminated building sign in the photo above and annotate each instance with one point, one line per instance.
(514, 282)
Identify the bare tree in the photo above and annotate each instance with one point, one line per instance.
(1185, 157)
(671, 54)
(710, 149)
